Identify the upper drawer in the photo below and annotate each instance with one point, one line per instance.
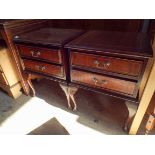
(104, 82)
(40, 53)
(45, 68)
(112, 64)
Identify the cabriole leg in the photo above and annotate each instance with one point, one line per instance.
(72, 92)
(30, 84)
(65, 89)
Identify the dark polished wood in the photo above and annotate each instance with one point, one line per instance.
(1, 38)
(122, 43)
(116, 52)
(40, 53)
(112, 64)
(100, 61)
(44, 68)
(124, 55)
(109, 53)
(122, 25)
(49, 36)
(103, 82)
(29, 46)
(19, 26)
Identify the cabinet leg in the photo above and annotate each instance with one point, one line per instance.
(131, 113)
(72, 92)
(65, 89)
(31, 85)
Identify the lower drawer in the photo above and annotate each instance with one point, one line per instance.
(45, 68)
(103, 82)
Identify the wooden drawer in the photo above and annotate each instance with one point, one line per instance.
(117, 65)
(40, 53)
(3, 79)
(44, 68)
(103, 82)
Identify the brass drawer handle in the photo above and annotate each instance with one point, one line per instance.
(35, 53)
(95, 80)
(104, 64)
(40, 68)
(102, 82)
(96, 62)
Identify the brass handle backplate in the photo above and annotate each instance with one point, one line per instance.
(104, 64)
(96, 81)
(40, 68)
(35, 53)
(96, 62)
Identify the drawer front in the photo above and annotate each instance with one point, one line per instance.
(103, 82)
(3, 79)
(45, 68)
(117, 65)
(40, 53)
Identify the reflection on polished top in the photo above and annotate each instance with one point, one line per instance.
(6, 21)
(117, 42)
(10, 22)
(49, 36)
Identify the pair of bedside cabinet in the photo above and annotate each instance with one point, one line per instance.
(112, 63)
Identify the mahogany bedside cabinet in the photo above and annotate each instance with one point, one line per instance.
(43, 56)
(113, 63)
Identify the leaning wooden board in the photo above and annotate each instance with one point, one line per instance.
(9, 79)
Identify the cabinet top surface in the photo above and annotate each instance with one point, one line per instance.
(48, 36)
(6, 21)
(17, 23)
(120, 42)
